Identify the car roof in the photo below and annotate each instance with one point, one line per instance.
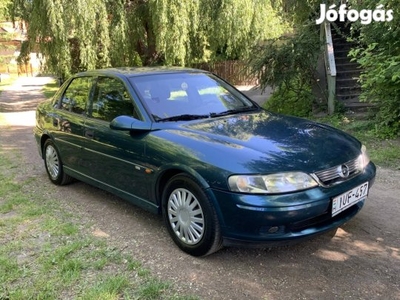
(137, 71)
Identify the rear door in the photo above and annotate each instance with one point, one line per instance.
(114, 158)
(68, 121)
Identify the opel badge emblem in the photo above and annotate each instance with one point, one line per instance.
(343, 171)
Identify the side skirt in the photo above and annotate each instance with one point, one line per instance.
(145, 204)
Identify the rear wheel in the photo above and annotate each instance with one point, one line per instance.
(190, 217)
(53, 164)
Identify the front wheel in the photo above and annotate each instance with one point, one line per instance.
(190, 217)
(53, 164)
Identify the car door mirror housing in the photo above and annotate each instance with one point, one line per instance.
(129, 123)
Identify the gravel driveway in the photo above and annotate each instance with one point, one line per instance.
(361, 262)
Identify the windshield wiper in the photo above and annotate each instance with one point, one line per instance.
(233, 111)
(188, 117)
(185, 117)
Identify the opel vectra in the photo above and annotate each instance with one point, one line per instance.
(185, 144)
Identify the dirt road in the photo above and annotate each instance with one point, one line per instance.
(361, 262)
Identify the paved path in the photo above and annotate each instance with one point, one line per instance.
(23, 95)
(255, 93)
(19, 100)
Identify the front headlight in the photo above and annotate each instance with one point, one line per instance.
(363, 159)
(271, 184)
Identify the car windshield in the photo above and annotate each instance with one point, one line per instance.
(188, 96)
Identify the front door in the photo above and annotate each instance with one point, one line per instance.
(114, 158)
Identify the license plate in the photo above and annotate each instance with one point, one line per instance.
(351, 197)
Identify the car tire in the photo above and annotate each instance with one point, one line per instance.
(190, 216)
(53, 164)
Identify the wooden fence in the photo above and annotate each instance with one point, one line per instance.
(234, 71)
(21, 70)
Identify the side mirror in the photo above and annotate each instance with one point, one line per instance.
(129, 123)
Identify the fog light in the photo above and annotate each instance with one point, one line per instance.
(272, 229)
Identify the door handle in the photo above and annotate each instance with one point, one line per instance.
(89, 134)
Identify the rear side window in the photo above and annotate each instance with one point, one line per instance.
(111, 100)
(76, 95)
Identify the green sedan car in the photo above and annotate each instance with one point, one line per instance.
(185, 144)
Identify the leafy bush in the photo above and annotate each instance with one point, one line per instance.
(288, 65)
(379, 56)
(289, 102)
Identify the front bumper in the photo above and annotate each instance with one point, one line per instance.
(282, 219)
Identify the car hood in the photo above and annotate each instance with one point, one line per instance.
(265, 142)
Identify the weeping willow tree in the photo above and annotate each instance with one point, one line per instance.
(78, 35)
(288, 64)
(4, 6)
(73, 35)
(235, 27)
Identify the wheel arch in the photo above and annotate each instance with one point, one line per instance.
(203, 215)
(168, 172)
(43, 140)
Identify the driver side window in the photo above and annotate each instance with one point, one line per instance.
(111, 100)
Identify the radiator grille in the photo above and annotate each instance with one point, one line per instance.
(334, 174)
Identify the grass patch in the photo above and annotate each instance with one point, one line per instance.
(47, 253)
(153, 289)
(7, 80)
(50, 89)
(383, 152)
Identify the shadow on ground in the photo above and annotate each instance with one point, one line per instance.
(24, 95)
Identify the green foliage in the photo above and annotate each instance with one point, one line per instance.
(298, 12)
(152, 290)
(25, 50)
(73, 35)
(379, 56)
(4, 9)
(288, 64)
(236, 26)
(289, 102)
(7, 81)
(50, 89)
(77, 35)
